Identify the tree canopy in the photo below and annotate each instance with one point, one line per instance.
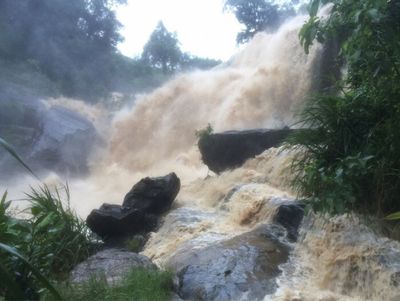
(70, 41)
(258, 15)
(162, 50)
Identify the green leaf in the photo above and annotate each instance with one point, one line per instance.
(313, 9)
(34, 271)
(393, 216)
(13, 153)
(47, 220)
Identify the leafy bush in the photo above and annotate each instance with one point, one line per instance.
(351, 159)
(52, 241)
(139, 284)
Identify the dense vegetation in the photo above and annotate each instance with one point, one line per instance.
(51, 239)
(352, 149)
(162, 52)
(70, 48)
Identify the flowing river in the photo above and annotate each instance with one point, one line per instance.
(263, 86)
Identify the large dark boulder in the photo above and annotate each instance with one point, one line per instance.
(290, 215)
(241, 268)
(140, 211)
(48, 139)
(114, 221)
(227, 150)
(153, 195)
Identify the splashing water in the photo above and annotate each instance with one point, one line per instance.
(338, 259)
(263, 86)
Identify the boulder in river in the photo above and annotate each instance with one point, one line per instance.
(114, 221)
(290, 215)
(243, 267)
(227, 150)
(153, 195)
(140, 211)
(113, 264)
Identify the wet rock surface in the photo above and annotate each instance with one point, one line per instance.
(153, 195)
(48, 139)
(141, 208)
(110, 221)
(290, 215)
(227, 150)
(244, 267)
(114, 264)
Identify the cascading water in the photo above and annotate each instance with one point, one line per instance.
(263, 86)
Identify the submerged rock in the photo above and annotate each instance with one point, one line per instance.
(244, 267)
(140, 210)
(227, 150)
(290, 215)
(113, 264)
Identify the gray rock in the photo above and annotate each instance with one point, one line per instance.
(48, 139)
(227, 150)
(65, 142)
(241, 268)
(113, 264)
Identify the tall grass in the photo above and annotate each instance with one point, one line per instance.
(52, 240)
(139, 285)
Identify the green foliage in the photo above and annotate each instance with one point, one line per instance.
(135, 243)
(351, 151)
(12, 290)
(71, 42)
(204, 133)
(162, 50)
(259, 15)
(393, 216)
(51, 241)
(139, 284)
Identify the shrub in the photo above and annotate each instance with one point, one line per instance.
(351, 159)
(52, 241)
(204, 133)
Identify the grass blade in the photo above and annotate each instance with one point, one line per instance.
(393, 216)
(13, 153)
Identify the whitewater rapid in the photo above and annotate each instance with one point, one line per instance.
(262, 86)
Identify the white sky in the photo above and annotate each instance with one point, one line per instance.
(202, 27)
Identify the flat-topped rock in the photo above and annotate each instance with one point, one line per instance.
(227, 150)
